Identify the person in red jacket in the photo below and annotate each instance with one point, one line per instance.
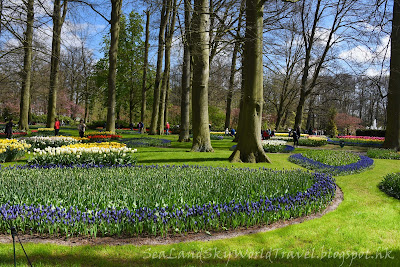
(167, 128)
(56, 126)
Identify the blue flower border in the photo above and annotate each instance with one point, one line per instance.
(364, 163)
(33, 216)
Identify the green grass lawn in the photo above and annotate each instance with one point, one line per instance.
(363, 230)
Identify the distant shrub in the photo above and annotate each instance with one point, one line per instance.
(370, 132)
(391, 185)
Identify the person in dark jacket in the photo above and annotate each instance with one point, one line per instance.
(8, 129)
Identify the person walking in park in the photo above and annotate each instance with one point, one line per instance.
(295, 138)
(81, 129)
(56, 127)
(167, 128)
(8, 129)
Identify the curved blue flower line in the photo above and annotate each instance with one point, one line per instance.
(370, 144)
(363, 163)
(320, 193)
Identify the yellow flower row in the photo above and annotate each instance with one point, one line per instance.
(100, 133)
(98, 145)
(287, 134)
(45, 129)
(317, 138)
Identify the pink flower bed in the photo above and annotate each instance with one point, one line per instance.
(362, 137)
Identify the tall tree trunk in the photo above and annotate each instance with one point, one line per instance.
(156, 98)
(145, 66)
(233, 70)
(249, 148)
(392, 137)
(167, 67)
(58, 20)
(26, 73)
(112, 72)
(166, 102)
(201, 69)
(186, 75)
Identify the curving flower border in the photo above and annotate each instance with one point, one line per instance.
(364, 163)
(158, 220)
(366, 143)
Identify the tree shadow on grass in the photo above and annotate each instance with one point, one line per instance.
(209, 257)
(187, 160)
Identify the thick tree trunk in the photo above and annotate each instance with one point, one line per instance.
(299, 111)
(160, 54)
(58, 21)
(392, 138)
(186, 74)
(167, 67)
(249, 148)
(201, 69)
(166, 102)
(26, 73)
(145, 66)
(112, 72)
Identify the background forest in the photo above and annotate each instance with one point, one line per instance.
(319, 57)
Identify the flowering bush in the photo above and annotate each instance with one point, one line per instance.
(379, 153)
(49, 141)
(91, 153)
(12, 149)
(333, 162)
(155, 200)
(391, 185)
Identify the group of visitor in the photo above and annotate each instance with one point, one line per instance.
(231, 132)
(267, 134)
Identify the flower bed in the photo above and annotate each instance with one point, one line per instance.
(276, 146)
(42, 142)
(287, 135)
(354, 137)
(103, 137)
(313, 141)
(43, 132)
(155, 200)
(12, 149)
(91, 153)
(146, 141)
(356, 142)
(333, 162)
(379, 153)
(391, 185)
(15, 134)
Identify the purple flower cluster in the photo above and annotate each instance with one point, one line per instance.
(363, 163)
(109, 221)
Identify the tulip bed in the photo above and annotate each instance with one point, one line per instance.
(276, 146)
(391, 185)
(134, 200)
(333, 162)
(366, 142)
(42, 142)
(106, 153)
(313, 141)
(12, 149)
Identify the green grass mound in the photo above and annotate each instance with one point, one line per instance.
(154, 200)
(391, 185)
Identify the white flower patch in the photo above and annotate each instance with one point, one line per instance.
(273, 142)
